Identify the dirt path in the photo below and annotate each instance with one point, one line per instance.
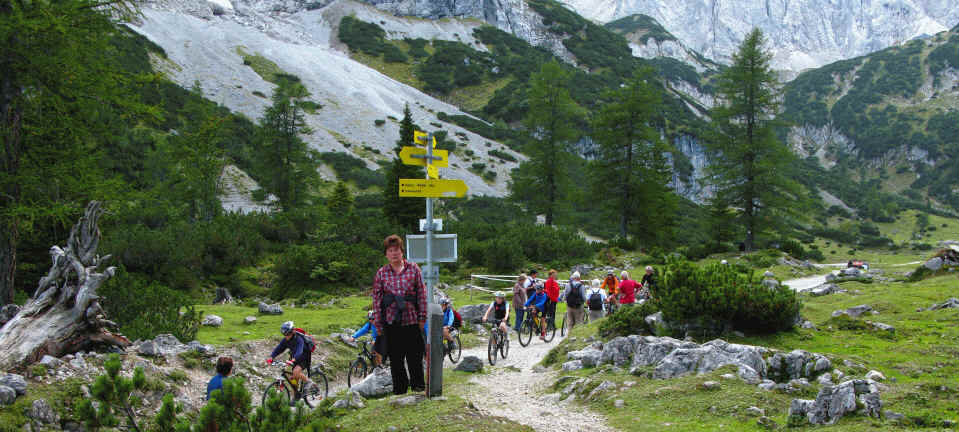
(806, 283)
(518, 395)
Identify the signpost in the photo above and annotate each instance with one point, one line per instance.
(431, 187)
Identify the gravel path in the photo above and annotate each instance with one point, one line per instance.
(518, 395)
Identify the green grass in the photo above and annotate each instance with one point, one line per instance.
(264, 67)
(901, 231)
(60, 396)
(922, 357)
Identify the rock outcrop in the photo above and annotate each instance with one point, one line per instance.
(834, 402)
(270, 309)
(377, 384)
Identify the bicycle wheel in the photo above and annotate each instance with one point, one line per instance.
(525, 333)
(504, 345)
(562, 329)
(455, 349)
(491, 348)
(278, 387)
(550, 330)
(357, 372)
(313, 397)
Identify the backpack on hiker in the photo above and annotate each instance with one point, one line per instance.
(308, 339)
(596, 301)
(457, 319)
(575, 297)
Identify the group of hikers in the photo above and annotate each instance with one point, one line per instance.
(397, 321)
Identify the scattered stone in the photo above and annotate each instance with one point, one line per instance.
(15, 382)
(78, 363)
(799, 383)
(162, 345)
(8, 312)
(657, 323)
(808, 325)
(767, 422)
(825, 379)
(892, 415)
(755, 411)
(854, 311)
(345, 338)
(249, 320)
(341, 404)
(588, 357)
(728, 376)
(824, 289)
(43, 413)
(572, 365)
(270, 309)
(851, 364)
(605, 385)
(711, 385)
(833, 402)
(539, 369)
(222, 296)
(206, 350)
(934, 264)
(356, 401)
(401, 401)
(948, 304)
(552, 398)
(470, 364)
(769, 274)
(377, 384)
(795, 364)
(770, 283)
(619, 403)
(7, 395)
(875, 376)
(767, 385)
(51, 362)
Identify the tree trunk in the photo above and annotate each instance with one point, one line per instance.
(8, 264)
(64, 316)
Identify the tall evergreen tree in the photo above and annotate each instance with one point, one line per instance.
(285, 154)
(750, 167)
(631, 172)
(341, 200)
(60, 95)
(405, 212)
(539, 182)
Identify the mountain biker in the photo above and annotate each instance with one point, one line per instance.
(500, 309)
(519, 299)
(575, 296)
(531, 282)
(611, 285)
(224, 367)
(300, 354)
(552, 291)
(627, 289)
(379, 348)
(594, 301)
(536, 305)
(449, 319)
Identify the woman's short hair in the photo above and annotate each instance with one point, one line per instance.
(391, 241)
(595, 283)
(624, 275)
(575, 275)
(224, 365)
(552, 272)
(522, 277)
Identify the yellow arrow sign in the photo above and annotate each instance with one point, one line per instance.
(421, 138)
(407, 154)
(421, 188)
(432, 171)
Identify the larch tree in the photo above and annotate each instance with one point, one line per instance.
(404, 212)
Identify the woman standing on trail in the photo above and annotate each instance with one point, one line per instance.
(552, 291)
(519, 299)
(399, 313)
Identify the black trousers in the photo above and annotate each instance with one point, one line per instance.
(406, 347)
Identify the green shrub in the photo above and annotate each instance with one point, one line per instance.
(628, 321)
(38, 370)
(504, 257)
(717, 296)
(145, 309)
(762, 259)
(379, 122)
(113, 394)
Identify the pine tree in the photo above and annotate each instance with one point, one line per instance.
(631, 172)
(404, 212)
(285, 155)
(750, 167)
(539, 182)
(340, 202)
(113, 392)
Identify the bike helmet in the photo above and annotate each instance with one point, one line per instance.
(286, 328)
(444, 301)
(369, 315)
(500, 294)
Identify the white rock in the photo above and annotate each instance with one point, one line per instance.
(875, 375)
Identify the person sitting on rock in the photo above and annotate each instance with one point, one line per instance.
(224, 367)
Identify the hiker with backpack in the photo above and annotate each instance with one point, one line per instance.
(575, 296)
(399, 314)
(301, 346)
(594, 301)
(531, 283)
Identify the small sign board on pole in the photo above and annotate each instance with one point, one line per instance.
(437, 224)
(444, 248)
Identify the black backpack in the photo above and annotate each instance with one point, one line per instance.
(575, 297)
(596, 301)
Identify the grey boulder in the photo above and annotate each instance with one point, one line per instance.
(711, 356)
(473, 314)
(7, 395)
(212, 321)
(377, 384)
(854, 311)
(589, 357)
(572, 365)
(162, 345)
(948, 304)
(833, 402)
(15, 382)
(470, 364)
(619, 351)
(43, 413)
(883, 327)
(200, 348)
(270, 309)
(249, 320)
(934, 264)
(824, 289)
(51, 362)
(784, 367)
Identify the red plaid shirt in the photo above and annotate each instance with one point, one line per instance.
(409, 281)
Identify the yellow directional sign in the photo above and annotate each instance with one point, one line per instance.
(432, 171)
(421, 138)
(421, 188)
(407, 156)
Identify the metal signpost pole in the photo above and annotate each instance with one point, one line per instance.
(434, 345)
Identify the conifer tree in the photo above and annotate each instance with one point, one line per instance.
(285, 154)
(340, 202)
(750, 168)
(112, 391)
(404, 212)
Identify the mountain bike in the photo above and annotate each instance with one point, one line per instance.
(563, 329)
(498, 342)
(453, 349)
(364, 365)
(292, 391)
(532, 323)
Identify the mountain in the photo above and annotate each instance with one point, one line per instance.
(232, 49)
(803, 34)
(895, 112)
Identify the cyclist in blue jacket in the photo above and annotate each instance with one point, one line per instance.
(379, 344)
(536, 304)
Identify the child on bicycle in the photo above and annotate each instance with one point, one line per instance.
(536, 305)
(300, 353)
(500, 309)
(378, 345)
